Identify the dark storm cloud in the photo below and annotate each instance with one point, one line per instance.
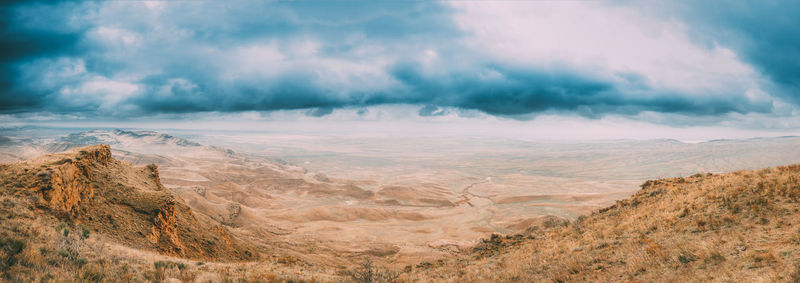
(128, 59)
(288, 92)
(171, 42)
(319, 112)
(21, 40)
(492, 89)
(763, 33)
(512, 91)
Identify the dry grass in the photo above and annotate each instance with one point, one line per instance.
(67, 238)
(742, 226)
(367, 272)
(36, 247)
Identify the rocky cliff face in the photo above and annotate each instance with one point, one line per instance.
(66, 183)
(86, 185)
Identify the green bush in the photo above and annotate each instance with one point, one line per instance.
(84, 232)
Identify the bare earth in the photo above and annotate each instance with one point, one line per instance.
(340, 199)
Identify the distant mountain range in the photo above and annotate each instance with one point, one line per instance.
(128, 138)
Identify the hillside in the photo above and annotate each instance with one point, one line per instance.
(82, 215)
(87, 186)
(737, 227)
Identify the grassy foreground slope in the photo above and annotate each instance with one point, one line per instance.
(738, 227)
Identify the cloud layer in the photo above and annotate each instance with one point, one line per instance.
(512, 59)
(762, 33)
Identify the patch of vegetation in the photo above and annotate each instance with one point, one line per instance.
(170, 269)
(367, 272)
(92, 273)
(70, 243)
(85, 233)
(59, 162)
(9, 250)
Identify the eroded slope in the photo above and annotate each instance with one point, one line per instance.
(129, 204)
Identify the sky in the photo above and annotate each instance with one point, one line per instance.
(557, 68)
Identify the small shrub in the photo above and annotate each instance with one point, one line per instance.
(700, 222)
(187, 275)
(69, 246)
(59, 162)
(763, 258)
(81, 261)
(684, 212)
(161, 264)
(553, 222)
(715, 257)
(159, 273)
(92, 275)
(84, 232)
(152, 167)
(367, 273)
(9, 249)
(686, 257)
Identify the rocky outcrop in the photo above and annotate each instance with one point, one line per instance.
(65, 183)
(86, 185)
(165, 230)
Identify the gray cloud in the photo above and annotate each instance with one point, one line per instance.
(127, 59)
(763, 33)
(516, 91)
(22, 39)
(511, 91)
(431, 110)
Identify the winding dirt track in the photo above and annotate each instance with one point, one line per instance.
(465, 194)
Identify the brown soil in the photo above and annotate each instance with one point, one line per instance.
(129, 204)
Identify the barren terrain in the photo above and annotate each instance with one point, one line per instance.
(335, 201)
